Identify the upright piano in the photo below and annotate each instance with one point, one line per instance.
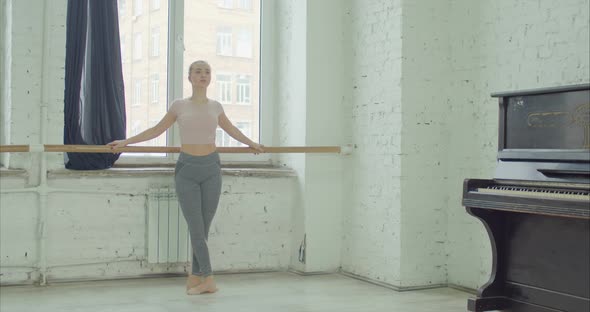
(536, 209)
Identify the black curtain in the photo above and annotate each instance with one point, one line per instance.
(94, 99)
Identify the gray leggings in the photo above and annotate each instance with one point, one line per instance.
(198, 186)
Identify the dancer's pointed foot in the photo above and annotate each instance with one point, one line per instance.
(192, 281)
(207, 286)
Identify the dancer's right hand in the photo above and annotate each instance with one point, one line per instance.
(117, 144)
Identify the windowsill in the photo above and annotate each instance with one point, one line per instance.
(19, 173)
(168, 170)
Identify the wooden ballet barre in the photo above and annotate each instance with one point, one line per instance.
(14, 148)
(158, 149)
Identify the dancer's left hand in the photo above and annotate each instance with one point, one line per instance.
(259, 148)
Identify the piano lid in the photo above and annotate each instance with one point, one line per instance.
(559, 89)
(544, 134)
(545, 124)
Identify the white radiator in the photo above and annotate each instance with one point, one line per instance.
(168, 238)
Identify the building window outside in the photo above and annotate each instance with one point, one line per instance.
(224, 139)
(155, 85)
(122, 8)
(224, 41)
(226, 4)
(243, 89)
(219, 137)
(244, 43)
(137, 93)
(244, 128)
(155, 50)
(122, 39)
(245, 5)
(223, 88)
(136, 128)
(155, 4)
(137, 7)
(137, 47)
(231, 37)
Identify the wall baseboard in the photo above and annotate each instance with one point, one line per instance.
(298, 272)
(391, 286)
(463, 288)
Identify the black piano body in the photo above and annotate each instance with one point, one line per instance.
(536, 210)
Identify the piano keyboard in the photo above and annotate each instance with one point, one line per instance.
(532, 192)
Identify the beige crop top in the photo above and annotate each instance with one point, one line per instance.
(197, 122)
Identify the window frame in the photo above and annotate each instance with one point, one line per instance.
(177, 74)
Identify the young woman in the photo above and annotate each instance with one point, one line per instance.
(198, 172)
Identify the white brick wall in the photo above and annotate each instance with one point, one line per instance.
(423, 121)
(372, 234)
(96, 227)
(501, 45)
(418, 109)
(103, 236)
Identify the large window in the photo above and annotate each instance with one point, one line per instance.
(232, 48)
(230, 44)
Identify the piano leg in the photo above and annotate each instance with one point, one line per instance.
(490, 295)
(487, 304)
(539, 263)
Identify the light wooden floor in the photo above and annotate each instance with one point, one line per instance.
(259, 292)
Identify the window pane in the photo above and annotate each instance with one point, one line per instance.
(244, 43)
(155, 41)
(227, 4)
(155, 44)
(223, 84)
(243, 89)
(224, 41)
(155, 4)
(122, 8)
(155, 86)
(145, 102)
(230, 44)
(137, 46)
(137, 93)
(137, 7)
(123, 52)
(245, 4)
